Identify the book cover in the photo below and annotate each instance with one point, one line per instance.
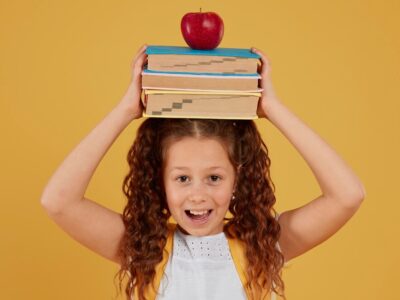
(218, 60)
(217, 73)
(199, 81)
(229, 52)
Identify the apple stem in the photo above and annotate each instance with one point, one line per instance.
(200, 9)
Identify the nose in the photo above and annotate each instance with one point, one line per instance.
(198, 193)
(197, 199)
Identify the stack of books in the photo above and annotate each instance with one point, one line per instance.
(180, 82)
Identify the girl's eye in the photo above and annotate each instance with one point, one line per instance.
(215, 178)
(184, 177)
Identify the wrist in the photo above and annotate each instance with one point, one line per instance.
(129, 104)
(126, 112)
(275, 110)
(269, 107)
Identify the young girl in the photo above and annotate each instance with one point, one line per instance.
(212, 177)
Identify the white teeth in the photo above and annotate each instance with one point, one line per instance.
(200, 212)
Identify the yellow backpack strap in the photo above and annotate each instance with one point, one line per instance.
(150, 293)
(237, 249)
(238, 258)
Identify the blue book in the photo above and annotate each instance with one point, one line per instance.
(228, 52)
(185, 60)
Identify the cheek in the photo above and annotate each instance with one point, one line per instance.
(223, 198)
(173, 207)
(174, 198)
(169, 191)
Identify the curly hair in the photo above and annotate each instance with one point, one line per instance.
(146, 214)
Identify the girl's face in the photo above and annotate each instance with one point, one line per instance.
(199, 181)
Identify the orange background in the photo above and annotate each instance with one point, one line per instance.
(65, 64)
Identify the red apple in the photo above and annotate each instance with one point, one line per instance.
(202, 30)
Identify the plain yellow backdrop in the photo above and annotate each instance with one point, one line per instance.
(65, 64)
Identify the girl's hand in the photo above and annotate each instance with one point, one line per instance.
(268, 96)
(131, 101)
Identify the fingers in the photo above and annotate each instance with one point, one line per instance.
(265, 61)
(264, 57)
(140, 57)
(143, 48)
(139, 61)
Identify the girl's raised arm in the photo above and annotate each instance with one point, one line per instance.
(94, 226)
(342, 192)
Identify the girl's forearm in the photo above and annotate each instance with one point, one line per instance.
(334, 176)
(69, 183)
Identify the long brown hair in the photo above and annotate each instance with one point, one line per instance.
(146, 214)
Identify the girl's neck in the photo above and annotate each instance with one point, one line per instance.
(184, 232)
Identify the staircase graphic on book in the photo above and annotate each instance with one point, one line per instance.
(202, 106)
(180, 82)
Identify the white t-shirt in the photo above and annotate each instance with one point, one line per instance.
(201, 268)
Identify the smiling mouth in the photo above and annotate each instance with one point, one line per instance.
(202, 216)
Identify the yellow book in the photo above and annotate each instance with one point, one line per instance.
(201, 104)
